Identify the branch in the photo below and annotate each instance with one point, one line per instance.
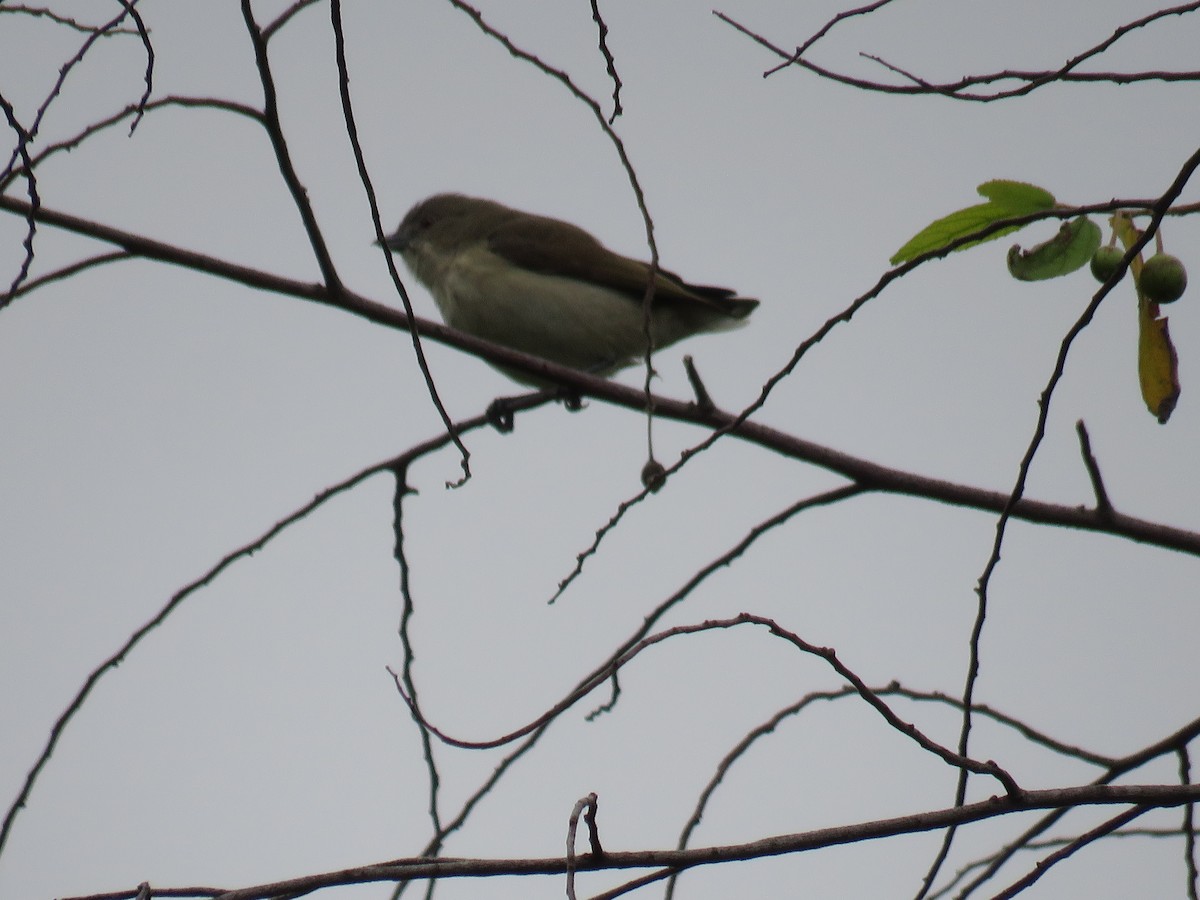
(1169, 744)
(136, 110)
(1102, 830)
(828, 654)
(1103, 504)
(1031, 80)
(39, 13)
(610, 63)
(1149, 795)
(1051, 843)
(283, 157)
(734, 425)
(869, 475)
(335, 13)
(177, 599)
(1039, 430)
(892, 690)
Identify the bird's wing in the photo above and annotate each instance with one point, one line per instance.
(559, 248)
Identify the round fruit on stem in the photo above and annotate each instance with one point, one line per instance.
(1105, 261)
(1163, 278)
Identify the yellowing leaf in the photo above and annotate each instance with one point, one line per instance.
(1158, 366)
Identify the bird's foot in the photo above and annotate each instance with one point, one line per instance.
(570, 399)
(501, 414)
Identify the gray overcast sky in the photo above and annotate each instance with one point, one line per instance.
(153, 419)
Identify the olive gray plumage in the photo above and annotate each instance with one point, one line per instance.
(547, 287)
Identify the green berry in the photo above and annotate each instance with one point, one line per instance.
(1163, 278)
(1105, 261)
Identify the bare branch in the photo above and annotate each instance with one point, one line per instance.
(1188, 827)
(828, 654)
(133, 109)
(286, 16)
(892, 690)
(1149, 795)
(587, 808)
(283, 157)
(1169, 744)
(1039, 431)
(1103, 504)
(335, 12)
(1049, 843)
(192, 587)
(820, 33)
(1029, 80)
(609, 62)
(57, 19)
(1102, 830)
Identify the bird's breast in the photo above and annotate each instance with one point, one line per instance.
(565, 320)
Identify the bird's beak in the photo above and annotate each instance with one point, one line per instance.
(395, 242)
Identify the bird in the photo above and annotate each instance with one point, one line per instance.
(549, 288)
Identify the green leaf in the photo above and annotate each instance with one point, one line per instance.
(1017, 195)
(1006, 200)
(1067, 251)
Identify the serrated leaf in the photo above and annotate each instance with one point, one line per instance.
(948, 229)
(1017, 195)
(1067, 251)
(1006, 200)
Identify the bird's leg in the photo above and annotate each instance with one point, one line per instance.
(500, 414)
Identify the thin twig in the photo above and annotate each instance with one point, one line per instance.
(822, 31)
(1030, 80)
(1043, 866)
(335, 13)
(610, 64)
(740, 422)
(1169, 744)
(57, 19)
(286, 16)
(283, 156)
(1103, 504)
(1018, 490)
(703, 399)
(1150, 795)
(177, 599)
(584, 806)
(1188, 826)
(565, 79)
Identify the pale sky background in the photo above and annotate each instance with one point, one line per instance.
(153, 419)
